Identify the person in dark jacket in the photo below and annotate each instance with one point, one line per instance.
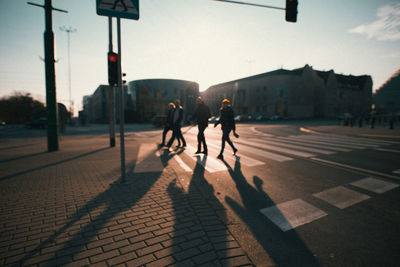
(201, 115)
(177, 119)
(227, 122)
(169, 122)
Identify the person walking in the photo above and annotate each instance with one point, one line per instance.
(168, 123)
(201, 115)
(177, 119)
(227, 122)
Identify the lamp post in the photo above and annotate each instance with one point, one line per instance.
(69, 30)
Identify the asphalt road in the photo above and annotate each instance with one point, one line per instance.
(294, 198)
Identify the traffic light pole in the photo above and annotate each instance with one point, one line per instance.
(121, 104)
(111, 93)
(51, 97)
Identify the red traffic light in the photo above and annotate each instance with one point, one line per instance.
(113, 57)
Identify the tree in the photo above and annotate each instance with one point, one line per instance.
(21, 108)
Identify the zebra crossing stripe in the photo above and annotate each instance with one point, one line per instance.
(251, 162)
(341, 197)
(304, 148)
(182, 163)
(323, 141)
(278, 149)
(313, 144)
(148, 159)
(209, 163)
(291, 214)
(341, 140)
(374, 185)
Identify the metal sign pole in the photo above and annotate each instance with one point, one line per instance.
(121, 103)
(111, 92)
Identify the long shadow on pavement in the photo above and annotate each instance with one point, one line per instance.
(96, 215)
(52, 164)
(199, 235)
(285, 248)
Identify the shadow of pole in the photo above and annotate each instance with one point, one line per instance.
(83, 231)
(285, 248)
(52, 164)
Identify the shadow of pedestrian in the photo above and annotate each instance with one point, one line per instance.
(284, 248)
(116, 217)
(199, 235)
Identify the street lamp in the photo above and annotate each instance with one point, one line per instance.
(69, 30)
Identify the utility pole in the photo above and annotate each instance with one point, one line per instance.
(51, 97)
(69, 31)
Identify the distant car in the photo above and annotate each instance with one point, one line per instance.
(262, 118)
(241, 118)
(159, 120)
(2, 123)
(276, 117)
(40, 123)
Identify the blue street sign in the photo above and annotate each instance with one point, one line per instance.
(127, 9)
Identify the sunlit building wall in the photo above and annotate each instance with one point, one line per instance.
(298, 93)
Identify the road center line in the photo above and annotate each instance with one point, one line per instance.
(355, 168)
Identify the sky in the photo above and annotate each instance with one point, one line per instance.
(205, 41)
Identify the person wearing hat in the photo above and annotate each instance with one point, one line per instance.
(227, 121)
(201, 115)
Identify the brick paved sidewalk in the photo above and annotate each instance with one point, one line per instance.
(69, 208)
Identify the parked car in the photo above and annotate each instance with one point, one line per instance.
(241, 118)
(276, 117)
(159, 120)
(262, 118)
(2, 123)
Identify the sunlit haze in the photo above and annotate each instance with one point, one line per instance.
(205, 41)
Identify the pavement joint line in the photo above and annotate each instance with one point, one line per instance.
(328, 162)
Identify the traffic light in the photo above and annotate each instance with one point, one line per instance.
(112, 68)
(291, 10)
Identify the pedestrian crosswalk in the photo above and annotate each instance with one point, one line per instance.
(267, 148)
(262, 149)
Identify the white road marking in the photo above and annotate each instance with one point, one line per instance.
(304, 148)
(251, 162)
(209, 163)
(396, 171)
(325, 141)
(322, 142)
(374, 185)
(311, 143)
(341, 197)
(279, 149)
(147, 159)
(291, 214)
(388, 150)
(182, 163)
(356, 168)
(342, 140)
(263, 153)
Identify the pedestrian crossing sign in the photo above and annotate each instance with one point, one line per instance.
(127, 9)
